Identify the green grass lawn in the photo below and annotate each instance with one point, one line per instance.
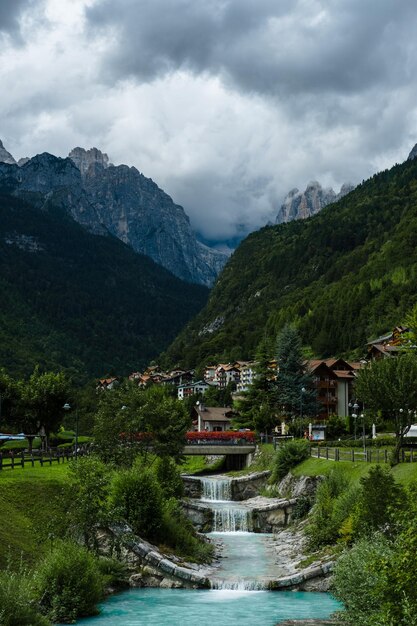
(26, 506)
(404, 472)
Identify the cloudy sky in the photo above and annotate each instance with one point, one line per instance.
(226, 104)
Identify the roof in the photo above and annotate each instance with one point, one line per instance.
(344, 374)
(214, 414)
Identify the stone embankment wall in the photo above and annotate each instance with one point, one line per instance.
(314, 578)
(147, 566)
(272, 516)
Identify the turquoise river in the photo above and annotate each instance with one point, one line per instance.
(238, 596)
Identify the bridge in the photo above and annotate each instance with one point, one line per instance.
(238, 452)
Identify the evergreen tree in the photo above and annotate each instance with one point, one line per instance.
(294, 392)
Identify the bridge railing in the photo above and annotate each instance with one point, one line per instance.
(230, 438)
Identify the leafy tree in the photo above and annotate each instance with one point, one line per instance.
(86, 498)
(8, 397)
(389, 386)
(42, 399)
(131, 421)
(294, 393)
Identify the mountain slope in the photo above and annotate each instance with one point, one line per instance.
(119, 200)
(343, 275)
(134, 209)
(73, 299)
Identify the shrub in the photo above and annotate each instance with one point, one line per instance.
(114, 572)
(359, 581)
(69, 583)
(289, 455)
(17, 606)
(178, 533)
(169, 478)
(301, 508)
(137, 497)
(332, 506)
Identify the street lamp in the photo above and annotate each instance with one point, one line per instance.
(363, 431)
(355, 408)
(303, 390)
(67, 407)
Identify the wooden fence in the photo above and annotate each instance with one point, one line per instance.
(14, 459)
(370, 455)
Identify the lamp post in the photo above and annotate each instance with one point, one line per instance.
(303, 390)
(363, 431)
(67, 407)
(355, 417)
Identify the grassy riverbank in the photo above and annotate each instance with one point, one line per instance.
(404, 473)
(27, 503)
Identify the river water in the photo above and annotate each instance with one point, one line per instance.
(238, 597)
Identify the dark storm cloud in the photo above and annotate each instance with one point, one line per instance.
(10, 12)
(268, 46)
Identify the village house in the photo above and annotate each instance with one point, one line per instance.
(211, 419)
(189, 389)
(386, 346)
(107, 383)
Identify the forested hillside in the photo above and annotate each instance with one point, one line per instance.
(344, 275)
(83, 302)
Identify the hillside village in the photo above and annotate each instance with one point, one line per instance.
(333, 380)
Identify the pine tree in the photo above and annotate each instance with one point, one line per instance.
(294, 392)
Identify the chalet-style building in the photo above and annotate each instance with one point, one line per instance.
(189, 389)
(333, 379)
(386, 346)
(178, 377)
(211, 418)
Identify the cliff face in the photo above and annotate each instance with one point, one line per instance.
(116, 200)
(134, 209)
(302, 204)
(48, 179)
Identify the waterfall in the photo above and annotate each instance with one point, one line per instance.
(218, 489)
(231, 520)
(239, 585)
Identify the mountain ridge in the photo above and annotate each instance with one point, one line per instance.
(344, 275)
(119, 200)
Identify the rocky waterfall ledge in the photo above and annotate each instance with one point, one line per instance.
(242, 487)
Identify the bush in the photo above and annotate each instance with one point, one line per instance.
(17, 606)
(301, 508)
(137, 498)
(114, 572)
(178, 533)
(289, 455)
(359, 581)
(169, 478)
(69, 583)
(333, 504)
(380, 500)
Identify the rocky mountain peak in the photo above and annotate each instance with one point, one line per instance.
(6, 157)
(83, 159)
(302, 204)
(413, 153)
